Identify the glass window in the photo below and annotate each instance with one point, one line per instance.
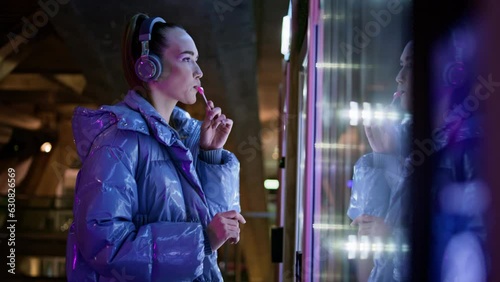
(301, 154)
(362, 57)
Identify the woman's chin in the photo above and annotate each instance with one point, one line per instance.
(190, 101)
(405, 102)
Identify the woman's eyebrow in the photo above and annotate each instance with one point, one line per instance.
(188, 52)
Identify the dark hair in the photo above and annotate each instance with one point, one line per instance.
(131, 47)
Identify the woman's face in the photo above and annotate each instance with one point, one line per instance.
(181, 74)
(405, 76)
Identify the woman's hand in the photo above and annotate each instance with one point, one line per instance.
(224, 226)
(382, 138)
(215, 128)
(372, 226)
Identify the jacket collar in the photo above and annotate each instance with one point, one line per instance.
(164, 133)
(459, 130)
(150, 118)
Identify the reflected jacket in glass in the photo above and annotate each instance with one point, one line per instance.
(144, 196)
(378, 189)
(455, 159)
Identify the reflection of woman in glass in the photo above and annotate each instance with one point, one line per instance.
(459, 200)
(459, 197)
(375, 205)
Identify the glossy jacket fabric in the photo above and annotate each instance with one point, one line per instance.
(379, 189)
(144, 196)
(460, 201)
(454, 153)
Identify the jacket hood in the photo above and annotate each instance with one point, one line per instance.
(133, 113)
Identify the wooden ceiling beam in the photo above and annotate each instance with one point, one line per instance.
(42, 97)
(75, 82)
(27, 82)
(47, 82)
(9, 59)
(14, 52)
(13, 118)
(5, 134)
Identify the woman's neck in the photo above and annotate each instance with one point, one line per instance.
(163, 105)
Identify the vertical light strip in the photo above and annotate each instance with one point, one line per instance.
(309, 256)
(285, 37)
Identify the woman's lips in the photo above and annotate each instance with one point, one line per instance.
(200, 89)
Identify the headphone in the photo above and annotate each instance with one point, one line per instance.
(454, 74)
(148, 66)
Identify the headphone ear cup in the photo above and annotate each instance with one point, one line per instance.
(159, 68)
(148, 68)
(454, 74)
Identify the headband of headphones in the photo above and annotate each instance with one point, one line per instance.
(148, 67)
(147, 28)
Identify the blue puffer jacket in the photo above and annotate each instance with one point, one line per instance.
(142, 201)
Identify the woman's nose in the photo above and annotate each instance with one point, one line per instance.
(198, 73)
(400, 77)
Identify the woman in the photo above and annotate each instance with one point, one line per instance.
(379, 204)
(156, 195)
